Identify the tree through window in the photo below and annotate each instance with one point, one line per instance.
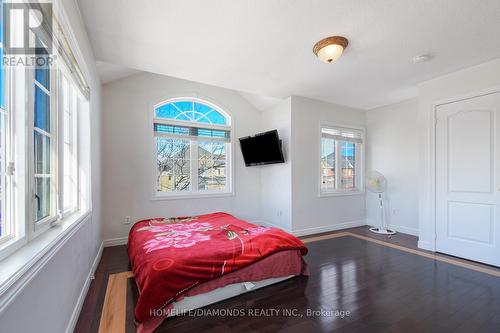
(192, 139)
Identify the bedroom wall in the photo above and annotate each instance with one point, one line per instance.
(60, 284)
(457, 84)
(127, 136)
(276, 179)
(311, 213)
(392, 149)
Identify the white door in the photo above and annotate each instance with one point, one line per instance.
(467, 179)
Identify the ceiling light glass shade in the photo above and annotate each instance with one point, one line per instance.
(330, 49)
(330, 53)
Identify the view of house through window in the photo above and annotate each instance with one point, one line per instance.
(211, 165)
(348, 179)
(327, 164)
(340, 159)
(192, 140)
(174, 164)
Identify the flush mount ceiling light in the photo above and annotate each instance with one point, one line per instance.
(421, 58)
(330, 49)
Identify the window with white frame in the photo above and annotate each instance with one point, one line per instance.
(55, 149)
(6, 227)
(44, 120)
(341, 152)
(44, 146)
(69, 142)
(192, 148)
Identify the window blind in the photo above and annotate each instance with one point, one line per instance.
(342, 134)
(54, 34)
(191, 132)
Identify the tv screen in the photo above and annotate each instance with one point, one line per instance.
(262, 148)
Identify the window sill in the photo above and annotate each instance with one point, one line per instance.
(340, 194)
(17, 269)
(161, 197)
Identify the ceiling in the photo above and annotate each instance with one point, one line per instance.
(109, 72)
(264, 47)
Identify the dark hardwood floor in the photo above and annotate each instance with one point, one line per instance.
(405, 240)
(114, 260)
(384, 290)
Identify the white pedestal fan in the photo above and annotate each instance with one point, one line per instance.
(377, 183)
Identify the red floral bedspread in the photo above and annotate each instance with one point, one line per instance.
(170, 256)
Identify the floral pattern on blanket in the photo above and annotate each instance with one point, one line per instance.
(182, 235)
(176, 235)
(258, 230)
(170, 256)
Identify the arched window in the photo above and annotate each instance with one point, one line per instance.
(193, 147)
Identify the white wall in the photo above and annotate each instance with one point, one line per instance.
(457, 84)
(128, 159)
(310, 213)
(282, 195)
(48, 302)
(276, 179)
(392, 149)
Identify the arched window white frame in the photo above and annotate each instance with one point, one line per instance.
(192, 139)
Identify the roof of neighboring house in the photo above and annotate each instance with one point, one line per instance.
(345, 164)
(185, 166)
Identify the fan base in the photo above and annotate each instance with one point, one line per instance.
(382, 231)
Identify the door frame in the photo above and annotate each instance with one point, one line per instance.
(432, 158)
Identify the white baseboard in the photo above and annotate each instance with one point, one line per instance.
(314, 230)
(425, 245)
(270, 224)
(115, 241)
(404, 230)
(327, 228)
(96, 261)
(398, 228)
(81, 298)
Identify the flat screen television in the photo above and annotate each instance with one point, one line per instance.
(263, 148)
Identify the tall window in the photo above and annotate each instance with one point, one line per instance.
(69, 158)
(192, 139)
(44, 120)
(340, 160)
(5, 195)
(44, 150)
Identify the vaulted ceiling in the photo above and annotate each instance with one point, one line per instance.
(264, 47)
